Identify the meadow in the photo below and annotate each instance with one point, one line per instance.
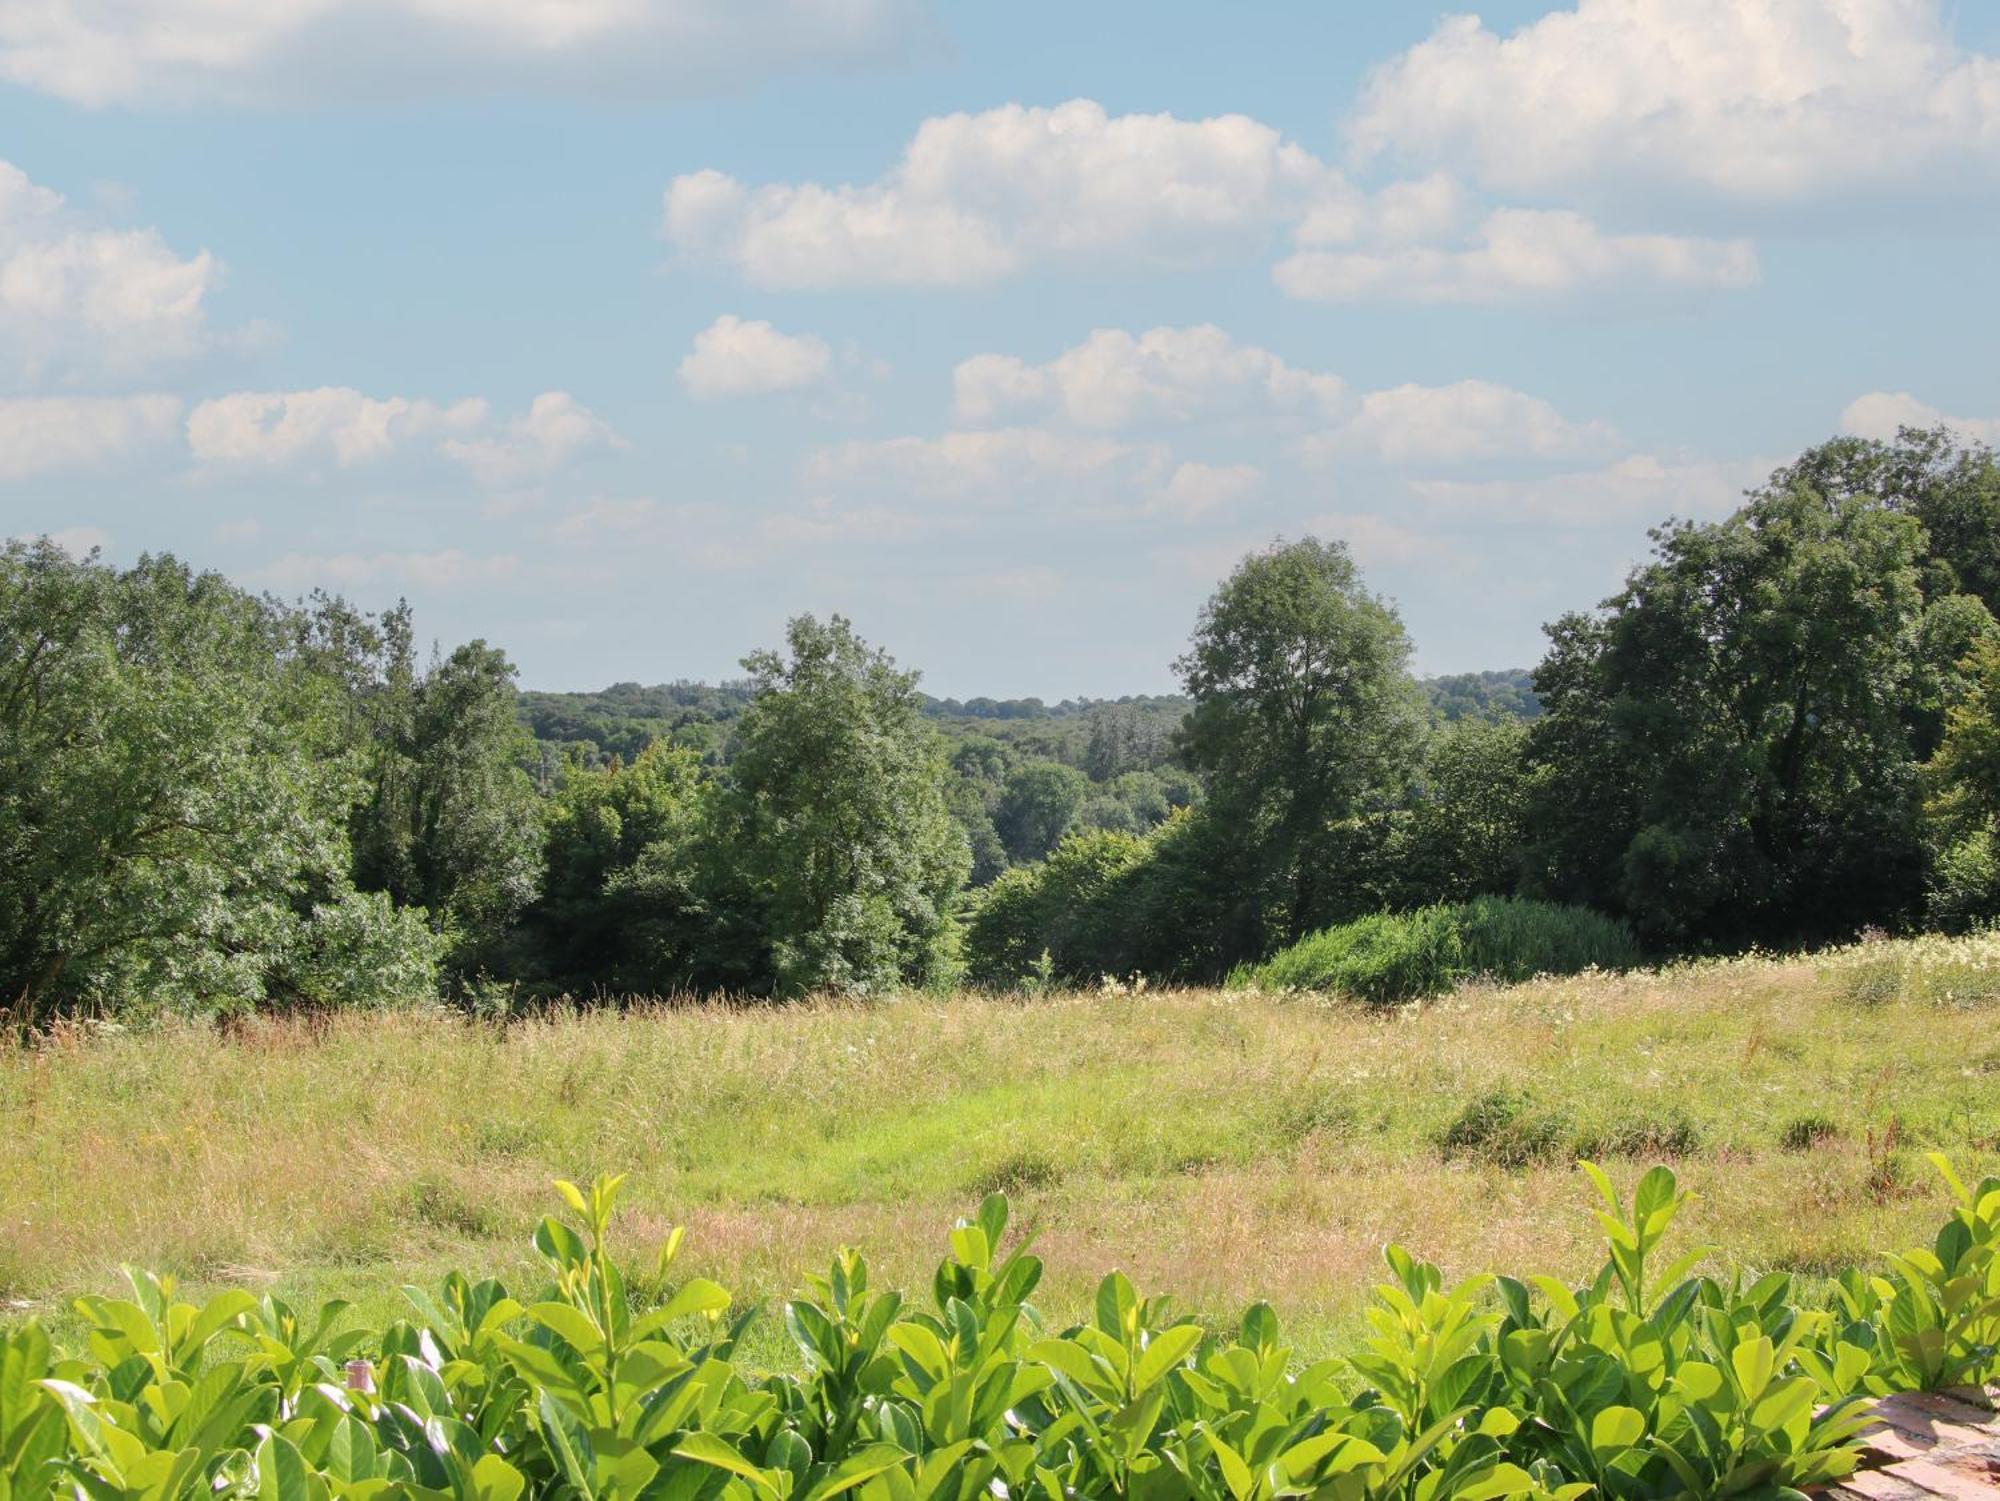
(1222, 1145)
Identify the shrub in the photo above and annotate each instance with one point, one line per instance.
(627, 1386)
(1504, 1128)
(1390, 957)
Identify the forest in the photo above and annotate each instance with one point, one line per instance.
(1783, 730)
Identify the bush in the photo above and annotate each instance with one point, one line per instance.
(625, 1386)
(1391, 957)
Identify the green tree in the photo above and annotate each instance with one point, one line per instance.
(1037, 806)
(1728, 750)
(1962, 804)
(1305, 715)
(174, 788)
(839, 822)
(621, 910)
(449, 821)
(1463, 833)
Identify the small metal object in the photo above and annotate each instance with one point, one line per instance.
(360, 1376)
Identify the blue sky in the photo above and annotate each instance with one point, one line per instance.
(617, 331)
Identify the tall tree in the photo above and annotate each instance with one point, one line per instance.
(1305, 715)
(841, 826)
(174, 787)
(450, 820)
(1037, 806)
(1730, 746)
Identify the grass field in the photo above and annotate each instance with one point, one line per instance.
(1220, 1145)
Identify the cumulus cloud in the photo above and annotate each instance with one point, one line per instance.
(39, 435)
(344, 428)
(1196, 491)
(1881, 414)
(739, 357)
(79, 300)
(333, 424)
(1640, 486)
(1022, 463)
(1115, 379)
(1520, 255)
(555, 429)
(1746, 99)
(1376, 541)
(253, 51)
(977, 197)
(1468, 420)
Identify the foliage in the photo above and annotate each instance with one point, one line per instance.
(1391, 957)
(1645, 1382)
(618, 911)
(1729, 749)
(174, 784)
(837, 821)
(1962, 804)
(1304, 715)
(1508, 694)
(1037, 806)
(1068, 908)
(448, 822)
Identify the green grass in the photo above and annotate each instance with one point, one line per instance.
(1221, 1145)
(1390, 957)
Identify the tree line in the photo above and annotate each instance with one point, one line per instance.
(1785, 727)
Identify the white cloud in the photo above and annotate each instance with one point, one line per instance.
(977, 197)
(278, 51)
(1468, 420)
(1195, 491)
(340, 426)
(1639, 487)
(42, 434)
(1518, 255)
(1377, 541)
(334, 424)
(1115, 379)
(77, 299)
(735, 357)
(79, 541)
(1880, 414)
(447, 569)
(1748, 99)
(555, 429)
(1030, 465)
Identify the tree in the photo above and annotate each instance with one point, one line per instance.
(1962, 804)
(1037, 806)
(1728, 751)
(1463, 833)
(450, 820)
(839, 823)
(621, 910)
(1304, 716)
(174, 787)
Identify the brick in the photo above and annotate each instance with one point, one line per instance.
(1908, 1416)
(1949, 1407)
(1948, 1481)
(1877, 1485)
(1987, 1398)
(1893, 1445)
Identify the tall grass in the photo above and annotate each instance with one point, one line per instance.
(1229, 1144)
(1390, 957)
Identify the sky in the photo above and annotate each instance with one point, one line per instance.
(617, 332)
